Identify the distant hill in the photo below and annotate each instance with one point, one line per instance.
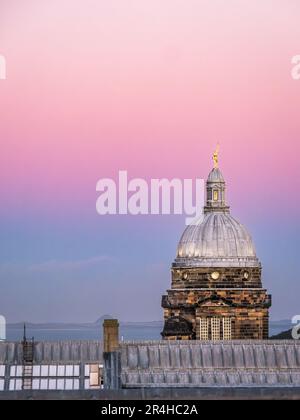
(285, 335)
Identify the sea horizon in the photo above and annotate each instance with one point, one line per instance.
(130, 330)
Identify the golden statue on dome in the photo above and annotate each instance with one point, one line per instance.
(216, 157)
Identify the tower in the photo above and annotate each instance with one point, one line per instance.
(216, 291)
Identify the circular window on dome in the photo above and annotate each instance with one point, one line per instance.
(215, 275)
(246, 275)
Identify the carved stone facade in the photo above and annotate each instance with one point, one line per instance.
(216, 291)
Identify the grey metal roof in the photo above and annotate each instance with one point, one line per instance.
(205, 364)
(53, 352)
(218, 237)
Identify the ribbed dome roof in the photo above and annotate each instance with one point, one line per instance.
(215, 176)
(217, 240)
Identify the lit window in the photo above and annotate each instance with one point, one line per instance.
(35, 384)
(44, 384)
(2, 370)
(215, 329)
(69, 370)
(69, 384)
(227, 333)
(52, 383)
(15, 384)
(36, 371)
(87, 370)
(52, 370)
(44, 377)
(94, 376)
(12, 385)
(1, 384)
(60, 370)
(216, 195)
(16, 370)
(18, 384)
(203, 329)
(60, 384)
(44, 370)
(76, 384)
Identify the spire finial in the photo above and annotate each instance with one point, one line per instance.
(216, 156)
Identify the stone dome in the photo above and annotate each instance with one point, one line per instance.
(217, 240)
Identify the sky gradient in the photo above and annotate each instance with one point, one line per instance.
(94, 87)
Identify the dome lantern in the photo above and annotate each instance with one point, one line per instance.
(215, 192)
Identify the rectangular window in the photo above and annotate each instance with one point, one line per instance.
(35, 384)
(61, 377)
(60, 384)
(227, 333)
(52, 370)
(15, 384)
(61, 370)
(44, 384)
(36, 371)
(16, 370)
(215, 329)
(204, 329)
(69, 384)
(76, 384)
(44, 370)
(69, 370)
(216, 195)
(1, 384)
(2, 370)
(94, 376)
(52, 384)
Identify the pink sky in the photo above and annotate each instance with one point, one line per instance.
(94, 87)
(98, 86)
